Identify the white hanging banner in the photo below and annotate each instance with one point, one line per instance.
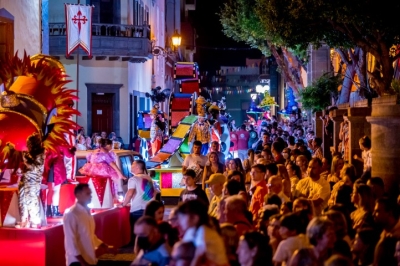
(79, 27)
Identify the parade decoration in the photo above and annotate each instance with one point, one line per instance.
(157, 95)
(267, 101)
(79, 28)
(292, 104)
(35, 111)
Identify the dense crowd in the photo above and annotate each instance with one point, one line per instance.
(277, 201)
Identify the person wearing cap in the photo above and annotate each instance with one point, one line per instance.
(216, 184)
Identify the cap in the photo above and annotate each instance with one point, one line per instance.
(216, 179)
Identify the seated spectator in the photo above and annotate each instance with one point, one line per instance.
(231, 240)
(286, 207)
(254, 250)
(265, 213)
(169, 233)
(364, 246)
(343, 241)
(273, 231)
(192, 190)
(237, 214)
(338, 260)
(275, 187)
(155, 209)
(182, 254)
(304, 257)
(377, 186)
(150, 243)
(321, 234)
(194, 221)
(291, 239)
(273, 199)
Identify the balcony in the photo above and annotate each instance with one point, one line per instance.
(128, 42)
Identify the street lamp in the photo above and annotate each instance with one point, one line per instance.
(161, 51)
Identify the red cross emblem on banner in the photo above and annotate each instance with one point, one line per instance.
(78, 18)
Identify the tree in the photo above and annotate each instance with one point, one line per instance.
(370, 25)
(318, 96)
(241, 22)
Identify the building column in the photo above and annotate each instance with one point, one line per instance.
(385, 152)
(358, 128)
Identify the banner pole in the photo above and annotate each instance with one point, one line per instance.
(77, 79)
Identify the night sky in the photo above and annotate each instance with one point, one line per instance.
(211, 41)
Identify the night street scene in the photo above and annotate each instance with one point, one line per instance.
(199, 133)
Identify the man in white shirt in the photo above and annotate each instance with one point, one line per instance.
(195, 161)
(275, 187)
(314, 187)
(79, 227)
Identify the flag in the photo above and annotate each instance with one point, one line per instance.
(79, 27)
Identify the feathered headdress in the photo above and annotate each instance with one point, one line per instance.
(34, 101)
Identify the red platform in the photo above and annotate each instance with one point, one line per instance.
(40, 247)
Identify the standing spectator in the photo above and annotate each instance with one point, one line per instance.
(273, 231)
(103, 135)
(195, 161)
(141, 190)
(366, 159)
(213, 166)
(364, 246)
(314, 187)
(216, 183)
(194, 221)
(337, 165)
(215, 147)
(253, 137)
(294, 173)
(363, 201)
(243, 139)
(377, 187)
(192, 191)
(152, 247)
(234, 143)
(182, 254)
(304, 257)
(263, 142)
(317, 149)
(286, 155)
(231, 241)
(276, 150)
(259, 189)
(79, 230)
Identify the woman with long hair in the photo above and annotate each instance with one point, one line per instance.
(250, 154)
(213, 166)
(247, 169)
(347, 178)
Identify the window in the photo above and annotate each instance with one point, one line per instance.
(6, 33)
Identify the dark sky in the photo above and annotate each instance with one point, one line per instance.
(212, 43)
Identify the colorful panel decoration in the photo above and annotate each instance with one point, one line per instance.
(145, 134)
(177, 116)
(181, 103)
(180, 132)
(161, 157)
(177, 180)
(189, 119)
(184, 70)
(172, 145)
(189, 86)
(166, 180)
(184, 148)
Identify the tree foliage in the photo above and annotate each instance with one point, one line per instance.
(371, 25)
(318, 96)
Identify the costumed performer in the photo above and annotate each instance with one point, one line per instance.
(201, 128)
(55, 174)
(29, 186)
(101, 163)
(156, 131)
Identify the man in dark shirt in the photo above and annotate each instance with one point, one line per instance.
(192, 191)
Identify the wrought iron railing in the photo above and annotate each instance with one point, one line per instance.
(103, 29)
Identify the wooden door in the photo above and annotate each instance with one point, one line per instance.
(102, 112)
